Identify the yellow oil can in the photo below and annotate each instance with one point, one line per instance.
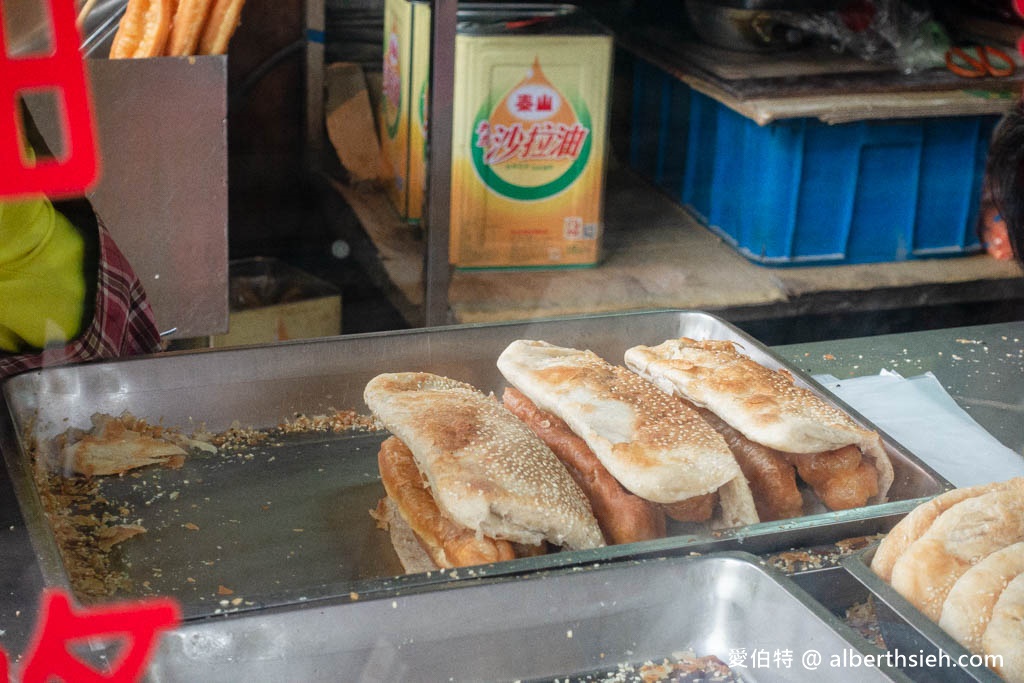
(529, 138)
(401, 112)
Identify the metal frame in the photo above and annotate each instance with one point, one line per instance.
(436, 270)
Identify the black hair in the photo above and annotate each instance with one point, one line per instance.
(1005, 175)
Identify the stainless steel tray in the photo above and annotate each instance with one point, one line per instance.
(558, 624)
(906, 630)
(291, 522)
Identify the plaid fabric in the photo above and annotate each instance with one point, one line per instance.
(122, 322)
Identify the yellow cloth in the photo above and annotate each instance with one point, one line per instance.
(42, 281)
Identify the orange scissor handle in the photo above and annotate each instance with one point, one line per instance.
(979, 66)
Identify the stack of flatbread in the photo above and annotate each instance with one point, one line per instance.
(959, 558)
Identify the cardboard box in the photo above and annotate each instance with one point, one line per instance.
(272, 301)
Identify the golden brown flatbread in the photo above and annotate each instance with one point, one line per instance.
(486, 469)
(969, 604)
(913, 526)
(113, 447)
(1005, 633)
(763, 405)
(654, 445)
(958, 539)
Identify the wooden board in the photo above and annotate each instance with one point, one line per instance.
(807, 71)
(658, 256)
(767, 87)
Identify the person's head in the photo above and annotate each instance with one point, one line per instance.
(1006, 175)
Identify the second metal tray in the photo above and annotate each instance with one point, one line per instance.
(929, 653)
(289, 521)
(562, 625)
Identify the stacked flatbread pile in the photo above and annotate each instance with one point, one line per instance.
(959, 558)
(696, 432)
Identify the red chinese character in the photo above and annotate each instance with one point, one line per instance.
(543, 139)
(544, 103)
(483, 135)
(572, 143)
(137, 624)
(506, 143)
(524, 102)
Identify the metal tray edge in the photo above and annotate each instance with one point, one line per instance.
(805, 530)
(44, 545)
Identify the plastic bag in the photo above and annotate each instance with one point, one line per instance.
(885, 31)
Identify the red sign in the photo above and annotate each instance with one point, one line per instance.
(134, 625)
(62, 73)
(1019, 6)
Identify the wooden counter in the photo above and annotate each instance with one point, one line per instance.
(658, 256)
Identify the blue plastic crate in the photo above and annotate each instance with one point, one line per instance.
(802, 192)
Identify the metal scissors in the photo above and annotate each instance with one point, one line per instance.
(963, 63)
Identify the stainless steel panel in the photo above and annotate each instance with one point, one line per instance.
(906, 630)
(551, 625)
(324, 485)
(162, 193)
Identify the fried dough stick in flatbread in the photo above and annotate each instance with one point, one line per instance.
(654, 445)
(767, 408)
(840, 478)
(449, 544)
(485, 469)
(771, 476)
(624, 517)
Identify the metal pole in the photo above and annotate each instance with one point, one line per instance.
(314, 35)
(436, 271)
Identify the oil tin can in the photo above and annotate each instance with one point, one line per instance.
(529, 138)
(402, 110)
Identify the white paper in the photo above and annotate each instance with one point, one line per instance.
(919, 414)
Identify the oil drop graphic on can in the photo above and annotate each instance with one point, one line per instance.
(529, 142)
(534, 144)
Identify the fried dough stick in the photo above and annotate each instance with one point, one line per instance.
(622, 516)
(143, 29)
(841, 478)
(696, 509)
(187, 26)
(771, 476)
(448, 544)
(224, 18)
